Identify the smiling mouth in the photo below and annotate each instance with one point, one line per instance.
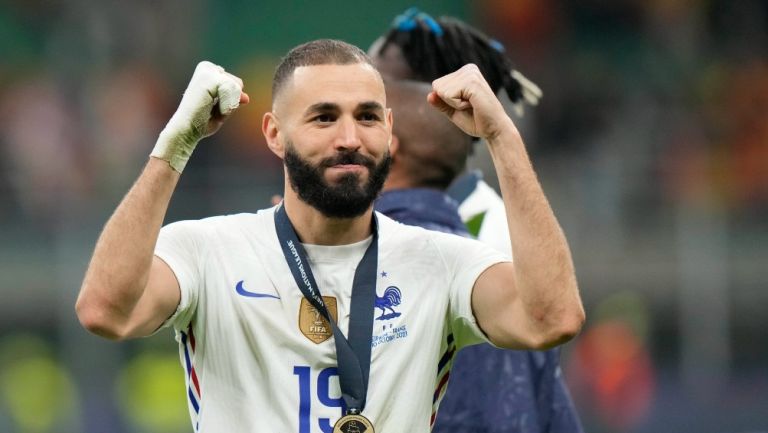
(349, 161)
(338, 172)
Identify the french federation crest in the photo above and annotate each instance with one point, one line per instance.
(312, 324)
(391, 298)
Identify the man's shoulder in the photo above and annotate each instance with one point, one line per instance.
(413, 237)
(230, 223)
(391, 227)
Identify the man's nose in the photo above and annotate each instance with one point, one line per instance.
(348, 135)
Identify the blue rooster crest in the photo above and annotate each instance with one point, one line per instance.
(391, 298)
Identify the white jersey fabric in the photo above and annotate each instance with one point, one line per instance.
(251, 365)
(494, 230)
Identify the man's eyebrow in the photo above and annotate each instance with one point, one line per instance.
(369, 106)
(322, 107)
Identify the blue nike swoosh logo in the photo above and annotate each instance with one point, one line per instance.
(241, 291)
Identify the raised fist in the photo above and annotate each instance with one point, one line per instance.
(211, 96)
(468, 101)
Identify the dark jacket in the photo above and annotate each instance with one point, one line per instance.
(490, 390)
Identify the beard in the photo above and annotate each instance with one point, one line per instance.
(347, 198)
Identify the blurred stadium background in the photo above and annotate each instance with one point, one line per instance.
(651, 142)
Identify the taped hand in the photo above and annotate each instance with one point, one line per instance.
(211, 96)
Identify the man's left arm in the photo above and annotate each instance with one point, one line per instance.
(534, 302)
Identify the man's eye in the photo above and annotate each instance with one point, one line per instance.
(324, 118)
(369, 117)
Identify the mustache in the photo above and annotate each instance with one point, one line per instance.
(342, 158)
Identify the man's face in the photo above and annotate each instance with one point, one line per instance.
(336, 131)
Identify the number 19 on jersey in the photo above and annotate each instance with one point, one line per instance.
(305, 377)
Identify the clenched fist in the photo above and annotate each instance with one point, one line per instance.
(211, 96)
(468, 101)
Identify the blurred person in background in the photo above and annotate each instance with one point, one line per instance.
(611, 369)
(217, 281)
(42, 190)
(428, 153)
(491, 390)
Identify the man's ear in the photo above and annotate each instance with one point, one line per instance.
(394, 145)
(394, 142)
(270, 127)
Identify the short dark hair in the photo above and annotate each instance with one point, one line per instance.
(318, 52)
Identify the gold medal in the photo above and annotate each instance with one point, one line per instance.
(353, 424)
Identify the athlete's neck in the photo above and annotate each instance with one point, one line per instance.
(312, 227)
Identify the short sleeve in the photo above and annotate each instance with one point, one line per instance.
(465, 259)
(180, 245)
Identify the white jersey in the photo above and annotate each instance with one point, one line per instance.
(485, 203)
(259, 358)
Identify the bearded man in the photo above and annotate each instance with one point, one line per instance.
(319, 314)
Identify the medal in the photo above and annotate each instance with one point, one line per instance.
(353, 353)
(353, 423)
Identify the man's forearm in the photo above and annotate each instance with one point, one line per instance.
(535, 302)
(544, 270)
(123, 294)
(119, 268)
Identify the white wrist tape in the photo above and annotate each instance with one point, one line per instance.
(210, 86)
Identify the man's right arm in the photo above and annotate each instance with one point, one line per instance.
(127, 291)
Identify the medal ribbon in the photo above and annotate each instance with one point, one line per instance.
(353, 354)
